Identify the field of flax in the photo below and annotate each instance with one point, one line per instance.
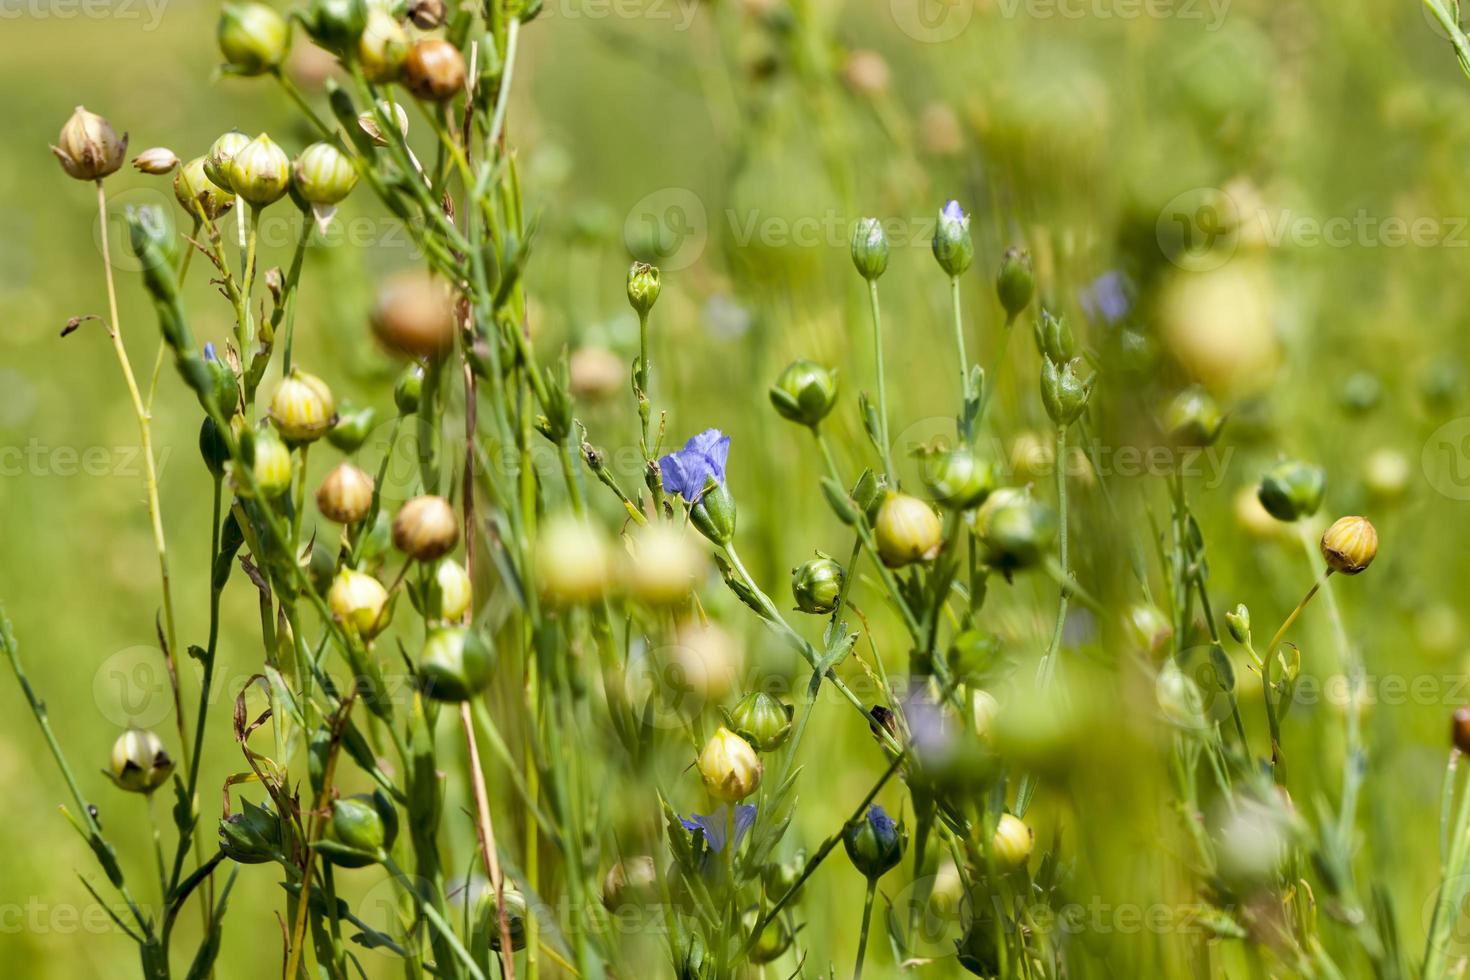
(780, 488)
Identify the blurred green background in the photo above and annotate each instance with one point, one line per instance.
(1279, 184)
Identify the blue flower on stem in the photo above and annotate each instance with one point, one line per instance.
(713, 825)
(1109, 298)
(686, 471)
(209, 354)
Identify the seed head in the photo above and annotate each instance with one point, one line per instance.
(908, 531)
(197, 193)
(426, 528)
(346, 495)
(573, 563)
(272, 464)
(368, 121)
(158, 161)
(1014, 528)
(1015, 284)
(352, 428)
(958, 478)
(454, 594)
(359, 602)
(217, 160)
(762, 721)
(383, 47)
(324, 175)
(805, 393)
(260, 172)
(434, 70)
(632, 882)
(302, 409)
(414, 315)
(88, 147)
(1292, 490)
(729, 766)
(139, 762)
(643, 287)
(336, 24)
(664, 564)
(254, 38)
(426, 14)
(1011, 846)
(366, 824)
(1350, 545)
(456, 664)
(816, 585)
(408, 388)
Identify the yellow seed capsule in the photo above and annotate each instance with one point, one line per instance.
(1012, 843)
(196, 192)
(426, 528)
(359, 602)
(1350, 545)
(139, 762)
(730, 767)
(908, 531)
(573, 563)
(272, 464)
(456, 591)
(346, 495)
(88, 147)
(664, 565)
(217, 160)
(260, 172)
(324, 175)
(383, 47)
(302, 408)
(414, 315)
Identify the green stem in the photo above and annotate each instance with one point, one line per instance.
(857, 970)
(882, 385)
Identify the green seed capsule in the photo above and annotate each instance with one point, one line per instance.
(324, 175)
(139, 762)
(196, 193)
(762, 721)
(336, 24)
(643, 287)
(1015, 284)
(817, 585)
(958, 478)
(408, 389)
(251, 837)
(1014, 529)
(1193, 418)
(383, 48)
(713, 515)
(302, 408)
(217, 160)
(272, 464)
(869, 248)
(1292, 490)
(352, 428)
(212, 447)
(805, 392)
(366, 824)
(456, 664)
(260, 172)
(254, 38)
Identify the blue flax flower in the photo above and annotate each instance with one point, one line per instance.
(714, 825)
(686, 471)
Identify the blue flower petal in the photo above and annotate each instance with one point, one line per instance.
(953, 211)
(713, 825)
(703, 456)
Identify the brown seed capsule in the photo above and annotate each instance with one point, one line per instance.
(1350, 545)
(1460, 728)
(426, 528)
(346, 495)
(434, 70)
(88, 147)
(158, 161)
(415, 315)
(426, 14)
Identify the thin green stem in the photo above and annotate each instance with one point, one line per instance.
(857, 970)
(887, 448)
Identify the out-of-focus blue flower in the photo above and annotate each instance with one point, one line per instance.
(725, 318)
(1109, 298)
(686, 471)
(209, 353)
(714, 828)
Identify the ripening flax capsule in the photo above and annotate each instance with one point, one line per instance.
(88, 147)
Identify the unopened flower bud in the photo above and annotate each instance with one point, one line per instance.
(573, 564)
(302, 408)
(365, 823)
(730, 767)
(664, 565)
(197, 193)
(1148, 627)
(140, 764)
(217, 160)
(426, 528)
(874, 843)
(158, 161)
(1054, 339)
(817, 585)
(713, 514)
(869, 248)
(426, 14)
(212, 447)
(346, 495)
(360, 603)
(383, 48)
(1292, 490)
(1238, 621)
(272, 464)
(1015, 284)
(324, 175)
(456, 664)
(368, 121)
(1193, 418)
(409, 387)
(88, 147)
(1350, 545)
(953, 248)
(336, 24)
(451, 594)
(260, 172)
(352, 428)
(762, 721)
(254, 38)
(251, 837)
(644, 284)
(414, 315)
(1014, 529)
(908, 531)
(434, 70)
(805, 393)
(1011, 846)
(958, 478)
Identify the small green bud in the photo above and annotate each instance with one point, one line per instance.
(260, 172)
(456, 664)
(450, 594)
(1063, 391)
(762, 721)
(869, 248)
(253, 38)
(1292, 490)
(272, 463)
(363, 823)
(713, 514)
(1238, 620)
(336, 24)
(408, 388)
(1014, 529)
(217, 160)
(196, 192)
(212, 447)
(251, 837)
(953, 249)
(958, 478)
(1192, 418)
(324, 175)
(352, 428)
(874, 843)
(643, 287)
(1054, 338)
(817, 585)
(1015, 284)
(139, 762)
(805, 392)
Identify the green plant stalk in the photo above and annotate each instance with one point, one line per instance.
(882, 385)
(1000, 359)
(959, 339)
(857, 970)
